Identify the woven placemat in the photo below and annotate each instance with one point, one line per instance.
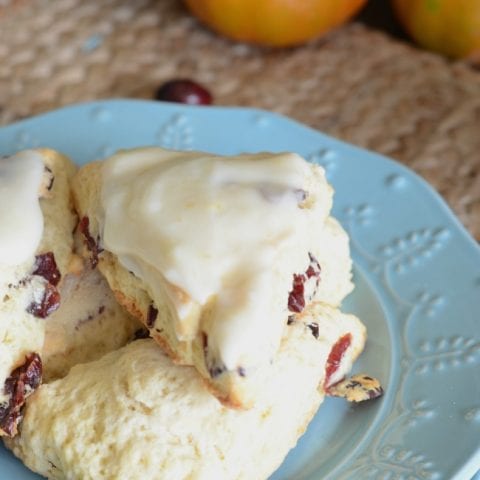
(356, 84)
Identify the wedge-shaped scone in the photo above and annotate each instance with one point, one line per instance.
(134, 414)
(88, 324)
(37, 220)
(214, 254)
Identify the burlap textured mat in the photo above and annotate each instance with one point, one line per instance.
(357, 84)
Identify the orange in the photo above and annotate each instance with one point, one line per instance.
(450, 27)
(276, 23)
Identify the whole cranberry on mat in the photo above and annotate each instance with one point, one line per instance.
(183, 91)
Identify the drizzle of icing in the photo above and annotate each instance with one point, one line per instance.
(20, 214)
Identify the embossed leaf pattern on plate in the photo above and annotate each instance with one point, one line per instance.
(176, 133)
(400, 256)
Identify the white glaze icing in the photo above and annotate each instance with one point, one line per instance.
(225, 233)
(21, 218)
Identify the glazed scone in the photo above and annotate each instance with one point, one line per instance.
(136, 415)
(37, 218)
(213, 254)
(88, 324)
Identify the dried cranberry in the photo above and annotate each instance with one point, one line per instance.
(183, 91)
(46, 267)
(50, 302)
(151, 316)
(300, 194)
(51, 178)
(296, 297)
(313, 326)
(92, 245)
(18, 386)
(335, 357)
(215, 370)
(141, 333)
(313, 269)
(214, 367)
(375, 393)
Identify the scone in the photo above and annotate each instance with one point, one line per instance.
(134, 414)
(37, 219)
(88, 324)
(214, 254)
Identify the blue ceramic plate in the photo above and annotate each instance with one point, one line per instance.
(417, 275)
